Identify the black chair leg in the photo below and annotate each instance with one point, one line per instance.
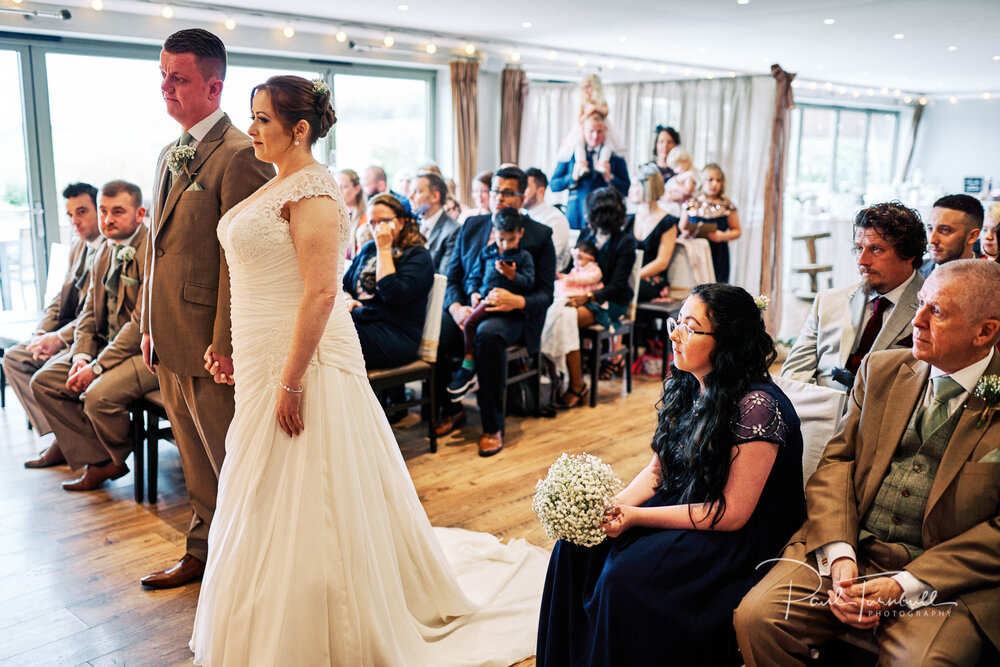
(152, 456)
(628, 360)
(138, 464)
(595, 370)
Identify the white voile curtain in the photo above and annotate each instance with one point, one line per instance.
(727, 121)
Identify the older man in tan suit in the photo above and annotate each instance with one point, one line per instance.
(908, 496)
(186, 318)
(86, 393)
(54, 333)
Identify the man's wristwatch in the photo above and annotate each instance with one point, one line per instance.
(97, 368)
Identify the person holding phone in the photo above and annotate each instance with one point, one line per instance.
(388, 283)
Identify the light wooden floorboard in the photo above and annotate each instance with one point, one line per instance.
(71, 562)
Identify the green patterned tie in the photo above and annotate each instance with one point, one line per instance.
(936, 414)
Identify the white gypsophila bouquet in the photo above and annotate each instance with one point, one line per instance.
(574, 497)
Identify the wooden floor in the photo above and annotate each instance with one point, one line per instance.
(71, 562)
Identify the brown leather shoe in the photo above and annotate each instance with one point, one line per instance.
(186, 570)
(449, 423)
(490, 443)
(95, 475)
(52, 456)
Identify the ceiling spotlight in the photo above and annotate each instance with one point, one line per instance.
(796, 83)
(167, 11)
(581, 62)
(611, 64)
(855, 93)
(526, 24)
(828, 86)
(953, 48)
(288, 31)
(623, 39)
(97, 5)
(663, 69)
(953, 99)
(732, 75)
(829, 21)
(637, 67)
(701, 49)
(515, 56)
(742, 2)
(431, 48)
(553, 55)
(341, 36)
(986, 96)
(388, 41)
(897, 92)
(884, 91)
(841, 90)
(710, 75)
(470, 49)
(819, 67)
(870, 92)
(812, 85)
(687, 71)
(898, 35)
(922, 101)
(230, 23)
(996, 57)
(907, 99)
(403, 8)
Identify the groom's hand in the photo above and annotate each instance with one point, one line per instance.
(147, 352)
(220, 367)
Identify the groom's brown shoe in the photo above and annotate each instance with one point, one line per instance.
(52, 456)
(185, 571)
(95, 475)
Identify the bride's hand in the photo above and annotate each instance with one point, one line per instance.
(221, 368)
(290, 411)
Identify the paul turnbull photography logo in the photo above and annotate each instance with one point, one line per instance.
(925, 604)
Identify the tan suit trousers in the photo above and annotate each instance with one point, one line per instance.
(18, 366)
(199, 411)
(786, 615)
(94, 426)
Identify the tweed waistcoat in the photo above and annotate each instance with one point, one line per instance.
(897, 513)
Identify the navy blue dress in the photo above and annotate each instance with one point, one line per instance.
(666, 597)
(701, 211)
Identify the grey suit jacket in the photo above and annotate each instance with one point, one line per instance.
(442, 241)
(829, 333)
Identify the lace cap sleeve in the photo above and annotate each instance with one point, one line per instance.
(760, 419)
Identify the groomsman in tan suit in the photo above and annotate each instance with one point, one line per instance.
(85, 394)
(186, 318)
(907, 495)
(54, 333)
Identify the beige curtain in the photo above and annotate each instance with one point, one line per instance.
(513, 90)
(464, 101)
(918, 113)
(774, 186)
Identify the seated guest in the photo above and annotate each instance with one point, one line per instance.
(585, 276)
(547, 214)
(903, 532)
(496, 334)
(582, 179)
(952, 230)
(453, 207)
(615, 256)
(86, 394)
(847, 323)
(54, 333)
(481, 185)
(721, 494)
(502, 264)
(373, 182)
(988, 237)
(388, 283)
(440, 230)
(655, 232)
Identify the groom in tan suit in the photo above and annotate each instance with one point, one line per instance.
(907, 495)
(187, 313)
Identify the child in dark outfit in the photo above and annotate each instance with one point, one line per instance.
(501, 264)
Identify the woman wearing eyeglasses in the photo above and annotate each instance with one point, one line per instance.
(720, 496)
(388, 283)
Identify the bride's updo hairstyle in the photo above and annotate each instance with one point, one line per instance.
(295, 99)
(693, 434)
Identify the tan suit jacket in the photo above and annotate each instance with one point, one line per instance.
(60, 315)
(961, 524)
(187, 303)
(828, 336)
(92, 328)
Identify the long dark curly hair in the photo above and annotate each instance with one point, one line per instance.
(693, 438)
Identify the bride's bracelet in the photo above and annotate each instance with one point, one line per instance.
(289, 389)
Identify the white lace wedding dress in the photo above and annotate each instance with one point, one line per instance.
(320, 552)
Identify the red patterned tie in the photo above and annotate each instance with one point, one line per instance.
(879, 306)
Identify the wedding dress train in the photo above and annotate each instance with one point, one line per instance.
(320, 552)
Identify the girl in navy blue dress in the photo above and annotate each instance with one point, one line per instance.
(721, 495)
(712, 206)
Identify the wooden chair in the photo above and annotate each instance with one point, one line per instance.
(422, 369)
(601, 338)
(147, 430)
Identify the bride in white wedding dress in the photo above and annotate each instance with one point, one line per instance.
(320, 552)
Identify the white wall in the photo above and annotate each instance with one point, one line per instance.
(958, 140)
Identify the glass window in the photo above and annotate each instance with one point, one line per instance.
(816, 147)
(17, 268)
(850, 151)
(881, 148)
(380, 121)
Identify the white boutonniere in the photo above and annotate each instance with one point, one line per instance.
(988, 389)
(126, 254)
(177, 160)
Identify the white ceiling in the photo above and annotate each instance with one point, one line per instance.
(857, 49)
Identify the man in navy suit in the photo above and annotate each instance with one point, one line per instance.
(496, 334)
(582, 179)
